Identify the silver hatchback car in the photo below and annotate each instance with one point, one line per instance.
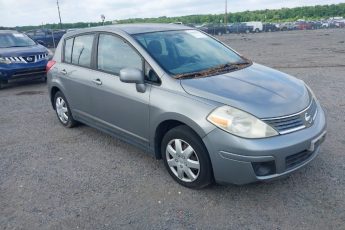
(183, 96)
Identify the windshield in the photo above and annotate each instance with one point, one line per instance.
(15, 40)
(187, 51)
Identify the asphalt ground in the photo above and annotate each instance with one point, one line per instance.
(57, 178)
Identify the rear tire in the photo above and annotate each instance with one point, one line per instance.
(186, 158)
(63, 110)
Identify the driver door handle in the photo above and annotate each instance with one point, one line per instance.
(97, 81)
(64, 72)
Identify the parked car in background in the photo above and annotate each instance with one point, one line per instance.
(240, 28)
(45, 37)
(269, 27)
(21, 57)
(315, 25)
(214, 29)
(287, 26)
(302, 25)
(185, 97)
(325, 24)
(338, 23)
(257, 26)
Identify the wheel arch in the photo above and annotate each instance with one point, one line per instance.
(162, 127)
(53, 91)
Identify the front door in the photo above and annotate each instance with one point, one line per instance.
(118, 106)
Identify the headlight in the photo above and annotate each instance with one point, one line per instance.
(240, 123)
(4, 61)
(50, 55)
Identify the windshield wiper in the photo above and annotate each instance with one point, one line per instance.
(213, 71)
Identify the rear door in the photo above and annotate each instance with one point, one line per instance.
(119, 107)
(75, 73)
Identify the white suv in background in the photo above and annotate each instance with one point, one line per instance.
(258, 26)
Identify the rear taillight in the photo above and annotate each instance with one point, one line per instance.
(50, 65)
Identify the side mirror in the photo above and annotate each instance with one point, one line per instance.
(133, 75)
(41, 42)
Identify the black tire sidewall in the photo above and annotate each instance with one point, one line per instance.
(183, 132)
(71, 122)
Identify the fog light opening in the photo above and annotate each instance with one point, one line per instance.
(264, 168)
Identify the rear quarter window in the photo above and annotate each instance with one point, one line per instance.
(68, 50)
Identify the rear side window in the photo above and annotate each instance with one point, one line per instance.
(68, 50)
(115, 54)
(82, 49)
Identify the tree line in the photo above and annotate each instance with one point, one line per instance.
(279, 15)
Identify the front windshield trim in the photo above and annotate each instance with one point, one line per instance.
(180, 72)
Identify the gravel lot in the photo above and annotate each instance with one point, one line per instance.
(57, 178)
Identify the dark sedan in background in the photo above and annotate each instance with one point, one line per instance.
(240, 28)
(46, 37)
(214, 29)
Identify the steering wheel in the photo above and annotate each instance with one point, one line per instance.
(195, 58)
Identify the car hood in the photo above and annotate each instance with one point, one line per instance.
(22, 51)
(257, 89)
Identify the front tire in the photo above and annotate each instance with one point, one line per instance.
(63, 111)
(186, 158)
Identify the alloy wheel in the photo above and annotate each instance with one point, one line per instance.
(61, 110)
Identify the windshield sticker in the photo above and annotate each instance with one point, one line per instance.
(196, 34)
(18, 35)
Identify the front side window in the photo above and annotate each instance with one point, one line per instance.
(187, 51)
(82, 50)
(115, 54)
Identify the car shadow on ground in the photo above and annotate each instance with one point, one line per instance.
(22, 83)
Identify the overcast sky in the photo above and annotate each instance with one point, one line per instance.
(36, 12)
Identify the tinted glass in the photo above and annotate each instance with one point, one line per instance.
(15, 40)
(68, 50)
(115, 54)
(82, 49)
(180, 52)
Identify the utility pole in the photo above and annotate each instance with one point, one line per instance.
(57, 3)
(103, 18)
(226, 13)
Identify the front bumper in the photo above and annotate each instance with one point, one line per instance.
(233, 157)
(22, 70)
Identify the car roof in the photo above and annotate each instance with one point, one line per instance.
(134, 28)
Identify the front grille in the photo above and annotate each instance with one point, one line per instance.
(27, 59)
(30, 59)
(294, 122)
